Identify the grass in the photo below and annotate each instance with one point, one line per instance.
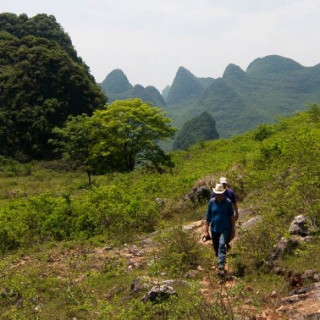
(305, 257)
(55, 270)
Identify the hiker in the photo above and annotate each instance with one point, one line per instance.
(220, 217)
(229, 194)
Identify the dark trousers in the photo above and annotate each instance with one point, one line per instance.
(219, 241)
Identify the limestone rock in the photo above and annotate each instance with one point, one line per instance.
(250, 223)
(303, 303)
(198, 195)
(300, 226)
(158, 293)
(284, 246)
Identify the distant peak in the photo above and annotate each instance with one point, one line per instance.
(116, 81)
(183, 71)
(116, 72)
(273, 64)
(234, 71)
(182, 68)
(185, 86)
(165, 92)
(138, 86)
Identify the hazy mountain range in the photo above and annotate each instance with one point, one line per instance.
(238, 101)
(117, 86)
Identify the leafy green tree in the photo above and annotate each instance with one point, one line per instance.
(128, 132)
(74, 142)
(117, 138)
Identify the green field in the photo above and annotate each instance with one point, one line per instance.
(54, 228)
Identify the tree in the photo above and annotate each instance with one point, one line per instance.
(116, 138)
(74, 142)
(127, 133)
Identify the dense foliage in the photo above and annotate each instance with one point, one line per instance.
(118, 138)
(274, 173)
(39, 26)
(200, 128)
(41, 83)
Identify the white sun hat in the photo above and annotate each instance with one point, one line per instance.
(219, 189)
(223, 180)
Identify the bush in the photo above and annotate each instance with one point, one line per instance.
(263, 132)
(179, 253)
(46, 217)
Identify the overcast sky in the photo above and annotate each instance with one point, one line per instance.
(150, 39)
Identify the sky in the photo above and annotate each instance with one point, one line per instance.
(150, 39)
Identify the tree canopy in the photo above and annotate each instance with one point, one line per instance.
(40, 26)
(41, 83)
(118, 138)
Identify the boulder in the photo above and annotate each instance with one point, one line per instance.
(308, 274)
(283, 246)
(194, 225)
(302, 304)
(245, 226)
(158, 293)
(198, 195)
(300, 226)
(137, 285)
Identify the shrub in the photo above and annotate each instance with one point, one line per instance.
(105, 210)
(180, 252)
(263, 132)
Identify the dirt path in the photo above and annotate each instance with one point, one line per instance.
(213, 285)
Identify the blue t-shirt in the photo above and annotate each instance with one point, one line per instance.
(219, 214)
(229, 194)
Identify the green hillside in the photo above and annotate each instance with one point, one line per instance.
(240, 100)
(40, 26)
(199, 128)
(64, 246)
(42, 82)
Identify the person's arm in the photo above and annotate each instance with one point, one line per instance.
(233, 227)
(208, 220)
(206, 229)
(233, 198)
(232, 221)
(235, 206)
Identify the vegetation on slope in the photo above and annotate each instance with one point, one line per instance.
(273, 172)
(42, 81)
(116, 86)
(240, 100)
(200, 128)
(272, 169)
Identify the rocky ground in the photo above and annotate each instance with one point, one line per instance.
(302, 303)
